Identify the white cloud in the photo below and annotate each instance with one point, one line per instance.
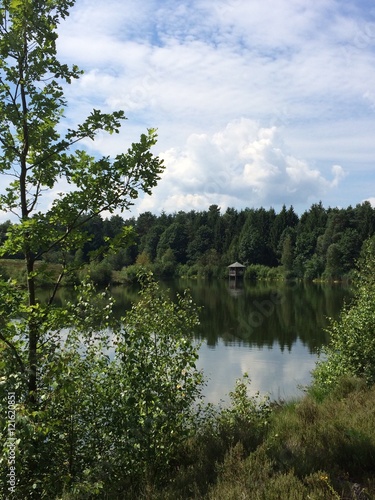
(241, 165)
(271, 371)
(299, 74)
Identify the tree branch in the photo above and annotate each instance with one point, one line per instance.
(13, 348)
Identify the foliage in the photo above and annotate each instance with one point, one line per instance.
(158, 383)
(351, 349)
(248, 415)
(115, 399)
(54, 359)
(106, 407)
(256, 272)
(129, 274)
(311, 435)
(100, 273)
(4, 273)
(323, 244)
(38, 153)
(314, 268)
(207, 271)
(309, 450)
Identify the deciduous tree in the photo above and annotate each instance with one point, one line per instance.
(36, 154)
(37, 151)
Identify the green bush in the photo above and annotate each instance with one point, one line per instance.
(105, 423)
(247, 417)
(256, 272)
(100, 273)
(158, 383)
(129, 274)
(277, 273)
(183, 270)
(165, 269)
(254, 477)
(351, 348)
(313, 268)
(256, 449)
(4, 273)
(211, 271)
(193, 271)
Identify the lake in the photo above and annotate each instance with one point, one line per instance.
(270, 331)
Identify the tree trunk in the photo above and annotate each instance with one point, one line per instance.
(33, 335)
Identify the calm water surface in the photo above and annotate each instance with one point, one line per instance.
(271, 332)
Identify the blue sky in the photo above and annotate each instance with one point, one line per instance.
(257, 103)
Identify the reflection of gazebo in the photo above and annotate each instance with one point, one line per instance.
(236, 270)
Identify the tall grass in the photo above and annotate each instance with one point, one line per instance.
(15, 269)
(301, 450)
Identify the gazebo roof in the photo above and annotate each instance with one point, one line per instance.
(236, 265)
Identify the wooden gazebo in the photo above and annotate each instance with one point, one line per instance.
(236, 270)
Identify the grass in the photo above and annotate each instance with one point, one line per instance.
(15, 268)
(308, 450)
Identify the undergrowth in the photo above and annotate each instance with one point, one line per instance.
(305, 449)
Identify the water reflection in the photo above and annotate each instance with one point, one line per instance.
(271, 331)
(266, 315)
(280, 374)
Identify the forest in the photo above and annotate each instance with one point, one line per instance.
(321, 244)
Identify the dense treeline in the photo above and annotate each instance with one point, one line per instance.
(322, 243)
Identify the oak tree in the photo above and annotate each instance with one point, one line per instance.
(36, 153)
(39, 361)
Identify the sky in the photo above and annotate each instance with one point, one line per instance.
(256, 103)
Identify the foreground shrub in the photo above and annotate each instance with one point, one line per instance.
(116, 398)
(336, 435)
(247, 417)
(4, 273)
(158, 383)
(311, 451)
(297, 450)
(351, 349)
(256, 478)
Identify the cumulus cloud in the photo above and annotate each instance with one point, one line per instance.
(242, 165)
(303, 70)
(271, 372)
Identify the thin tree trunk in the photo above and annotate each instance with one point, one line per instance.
(33, 337)
(29, 258)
